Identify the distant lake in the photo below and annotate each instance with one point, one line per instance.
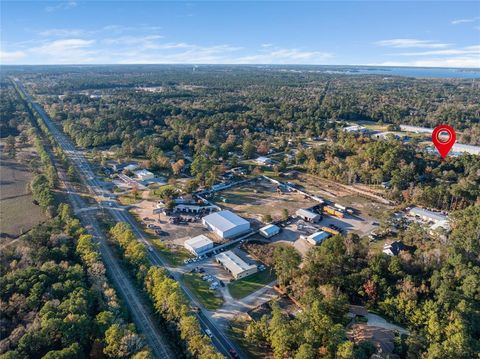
(418, 72)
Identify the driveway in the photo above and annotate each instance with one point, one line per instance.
(378, 321)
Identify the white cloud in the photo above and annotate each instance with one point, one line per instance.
(145, 40)
(59, 46)
(169, 54)
(464, 21)
(11, 56)
(67, 51)
(411, 43)
(61, 6)
(286, 56)
(469, 50)
(62, 32)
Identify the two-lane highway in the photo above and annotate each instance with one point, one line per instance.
(138, 309)
(96, 188)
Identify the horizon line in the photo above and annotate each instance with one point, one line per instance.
(246, 64)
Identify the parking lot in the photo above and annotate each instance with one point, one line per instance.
(167, 231)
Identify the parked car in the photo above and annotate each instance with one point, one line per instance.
(208, 332)
(233, 353)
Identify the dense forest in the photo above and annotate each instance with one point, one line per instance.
(434, 292)
(215, 114)
(56, 301)
(106, 106)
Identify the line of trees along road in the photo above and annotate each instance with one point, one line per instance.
(56, 300)
(166, 295)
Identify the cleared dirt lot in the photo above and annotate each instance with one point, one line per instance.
(18, 214)
(369, 206)
(258, 198)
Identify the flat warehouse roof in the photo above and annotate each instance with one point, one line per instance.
(225, 220)
(306, 213)
(233, 263)
(319, 236)
(271, 228)
(429, 214)
(198, 241)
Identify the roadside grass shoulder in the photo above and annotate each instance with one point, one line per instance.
(175, 257)
(209, 298)
(128, 200)
(245, 286)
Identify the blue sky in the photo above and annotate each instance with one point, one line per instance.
(408, 33)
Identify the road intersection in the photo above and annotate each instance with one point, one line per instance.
(97, 189)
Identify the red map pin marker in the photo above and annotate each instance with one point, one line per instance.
(443, 137)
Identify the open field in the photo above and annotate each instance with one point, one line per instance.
(255, 199)
(174, 255)
(18, 214)
(128, 200)
(245, 286)
(211, 299)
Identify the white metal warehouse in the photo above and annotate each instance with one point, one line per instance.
(269, 231)
(198, 245)
(318, 237)
(308, 215)
(235, 265)
(226, 224)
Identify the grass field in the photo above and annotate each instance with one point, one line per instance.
(128, 200)
(174, 256)
(209, 298)
(18, 214)
(245, 286)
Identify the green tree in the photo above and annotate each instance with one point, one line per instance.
(286, 260)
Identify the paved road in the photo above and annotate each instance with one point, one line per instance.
(105, 198)
(139, 310)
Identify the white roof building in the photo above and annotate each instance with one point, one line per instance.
(427, 215)
(143, 175)
(131, 167)
(415, 129)
(269, 231)
(226, 224)
(354, 128)
(394, 248)
(317, 238)
(198, 245)
(308, 215)
(460, 147)
(441, 224)
(235, 265)
(262, 160)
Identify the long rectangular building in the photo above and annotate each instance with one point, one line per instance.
(235, 265)
(427, 215)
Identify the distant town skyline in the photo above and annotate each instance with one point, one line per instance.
(407, 33)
